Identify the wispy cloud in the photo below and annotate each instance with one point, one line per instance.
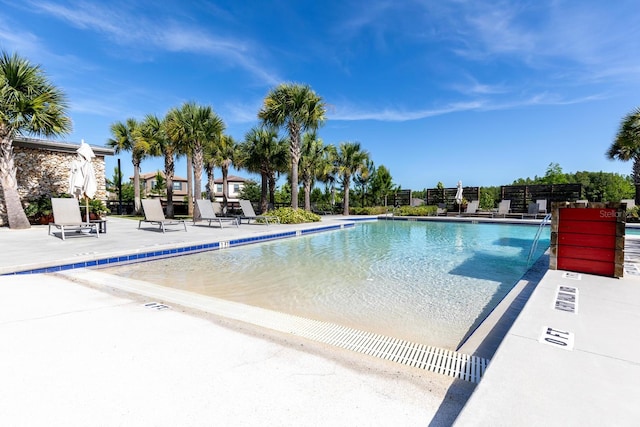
(127, 28)
(348, 112)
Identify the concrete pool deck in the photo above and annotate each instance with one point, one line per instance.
(75, 354)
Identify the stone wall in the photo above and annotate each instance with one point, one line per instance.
(44, 170)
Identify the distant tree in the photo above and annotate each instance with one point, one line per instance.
(112, 184)
(488, 197)
(554, 175)
(381, 185)
(298, 108)
(124, 139)
(351, 159)
(30, 104)
(160, 184)
(251, 191)
(626, 146)
(362, 179)
(311, 164)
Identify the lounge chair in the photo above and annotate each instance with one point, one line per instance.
(66, 216)
(441, 210)
(542, 206)
(504, 208)
(472, 208)
(207, 213)
(532, 211)
(154, 214)
(249, 214)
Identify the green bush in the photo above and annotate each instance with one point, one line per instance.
(633, 214)
(293, 216)
(369, 210)
(423, 210)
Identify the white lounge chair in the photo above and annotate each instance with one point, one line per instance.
(504, 208)
(249, 214)
(207, 213)
(66, 217)
(472, 208)
(542, 206)
(154, 214)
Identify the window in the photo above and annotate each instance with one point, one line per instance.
(236, 188)
(218, 188)
(177, 186)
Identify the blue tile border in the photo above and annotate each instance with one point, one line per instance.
(186, 250)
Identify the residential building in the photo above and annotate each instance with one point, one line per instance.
(148, 182)
(235, 184)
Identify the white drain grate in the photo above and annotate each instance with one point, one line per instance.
(438, 360)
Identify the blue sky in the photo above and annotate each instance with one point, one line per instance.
(480, 91)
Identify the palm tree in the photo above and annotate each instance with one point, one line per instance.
(124, 139)
(193, 125)
(364, 177)
(626, 146)
(298, 108)
(328, 172)
(227, 155)
(313, 154)
(210, 159)
(262, 152)
(350, 160)
(152, 131)
(30, 104)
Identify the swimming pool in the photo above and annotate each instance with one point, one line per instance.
(426, 282)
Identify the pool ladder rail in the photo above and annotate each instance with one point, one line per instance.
(534, 245)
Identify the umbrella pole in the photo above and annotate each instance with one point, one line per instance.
(86, 200)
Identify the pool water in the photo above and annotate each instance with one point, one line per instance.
(425, 282)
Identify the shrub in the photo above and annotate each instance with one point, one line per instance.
(293, 216)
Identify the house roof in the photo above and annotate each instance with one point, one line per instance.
(230, 178)
(149, 175)
(60, 146)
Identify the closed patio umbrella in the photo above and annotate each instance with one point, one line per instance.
(82, 181)
(459, 196)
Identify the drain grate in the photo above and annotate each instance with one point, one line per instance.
(433, 359)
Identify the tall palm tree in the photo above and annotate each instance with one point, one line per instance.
(262, 152)
(210, 159)
(626, 145)
(124, 139)
(29, 104)
(312, 156)
(152, 130)
(364, 177)
(194, 125)
(350, 160)
(328, 173)
(298, 108)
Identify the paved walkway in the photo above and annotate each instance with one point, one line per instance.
(86, 354)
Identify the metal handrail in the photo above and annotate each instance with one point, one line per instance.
(534, 245)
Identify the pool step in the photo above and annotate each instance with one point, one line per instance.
(433, 359)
